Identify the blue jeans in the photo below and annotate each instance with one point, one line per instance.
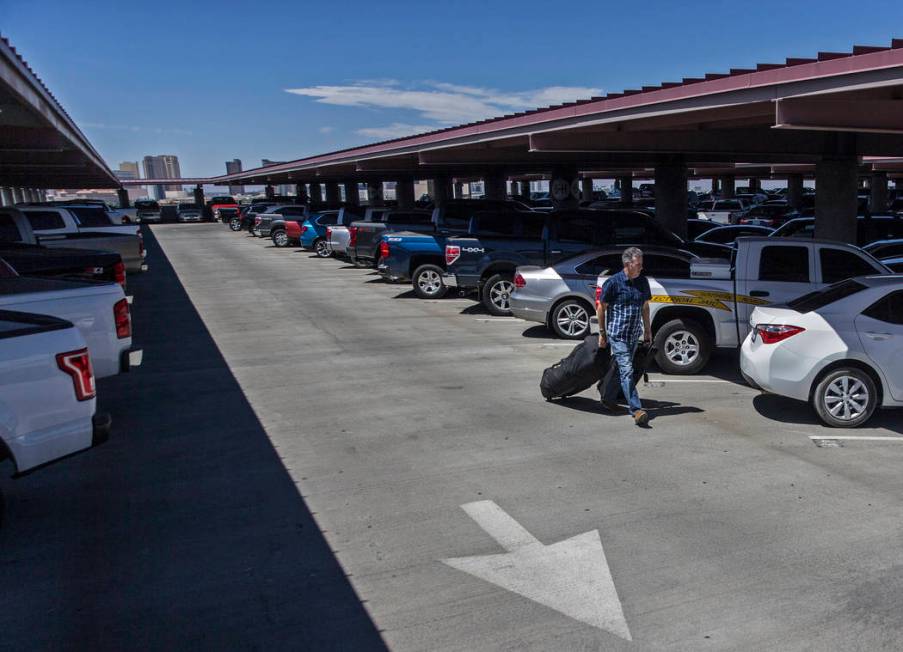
(622, 353)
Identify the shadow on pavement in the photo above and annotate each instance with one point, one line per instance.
(787, 410)
(542, 332)
(184, 531)
(654, 408)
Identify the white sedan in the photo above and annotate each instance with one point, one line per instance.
(840, 348)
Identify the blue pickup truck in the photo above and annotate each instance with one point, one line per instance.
(419, 256)
(485, 260)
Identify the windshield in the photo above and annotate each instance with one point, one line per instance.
(830, 294)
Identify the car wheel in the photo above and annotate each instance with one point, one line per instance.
(235, 224)
(845, 398)
(570, 319)
(428, 283)
(684, 347)
(496, 294)
(280, 239)
(322, 248)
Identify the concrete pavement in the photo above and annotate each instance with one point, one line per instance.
(723, 526)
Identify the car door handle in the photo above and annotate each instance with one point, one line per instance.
(593, 286)
(556, 251)
(877, 336)
(759, 293)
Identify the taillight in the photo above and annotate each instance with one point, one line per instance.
(774, 333)
(328, 233)
(257, 220)
(77, 364)
(452, 253)
(119, 273)
(598, 294)
(140, 244)
(122, 318)
(519, 281)
(352, 231)
(303, 229)
(383, 249)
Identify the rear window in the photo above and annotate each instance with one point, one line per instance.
(222, 200)
(607, 264)
(888, 309)
(665, 266)
(91, 217)
(830, 294)
(409, 218)
(577, 229)
(837, 264)
(45, 220)
(188, 207)
(146, 205)
(9, 232)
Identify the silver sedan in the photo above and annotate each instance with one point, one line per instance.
(563, 296)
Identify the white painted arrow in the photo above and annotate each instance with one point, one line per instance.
(570, 576)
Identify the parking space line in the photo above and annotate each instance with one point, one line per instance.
(497, 319)
(854, 438)
(660, 379)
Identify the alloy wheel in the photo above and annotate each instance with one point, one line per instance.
(846, 398)
(681, 348)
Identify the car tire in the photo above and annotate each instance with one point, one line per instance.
(845, 397)
(684, 347)
(428, 283)
(321, 248)
(280, 238)
(570, 319)
(235, 224)
(496, 294)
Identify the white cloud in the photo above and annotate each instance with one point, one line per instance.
(444, 104)
(395, 130)
(326, 130)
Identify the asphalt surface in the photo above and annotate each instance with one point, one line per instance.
(289, 466)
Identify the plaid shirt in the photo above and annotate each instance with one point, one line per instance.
(625, 299)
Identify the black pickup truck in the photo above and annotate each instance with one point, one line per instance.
(363, 247)
(486, 259)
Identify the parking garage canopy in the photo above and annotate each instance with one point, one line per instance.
(40, 145)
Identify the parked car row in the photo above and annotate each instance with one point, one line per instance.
(65, 321)
(548, 267)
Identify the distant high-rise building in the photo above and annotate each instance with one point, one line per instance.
(164, 166)
(234, 167)
(129, 168)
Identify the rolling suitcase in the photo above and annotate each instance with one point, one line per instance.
(584, 366)
(642, 358)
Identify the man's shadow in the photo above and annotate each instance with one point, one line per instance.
(654, 408)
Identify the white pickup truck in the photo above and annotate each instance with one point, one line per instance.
(99, 310)
(86, 227)
(47, 394)
(712, 308)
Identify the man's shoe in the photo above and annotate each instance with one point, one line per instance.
(641, 417)
(612, 407)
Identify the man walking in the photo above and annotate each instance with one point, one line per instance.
(622, 307)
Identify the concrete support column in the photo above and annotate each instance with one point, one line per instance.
(714, 185)
(459, 189)
(671, 196)
(626, 188)
(123, 196)
(315, 193)
(6, 196)
(755, 185)
(564, 187)
(440, 189)
(404, 194)
(301, 193)
(727, 186)
(198, 196)
(375, 193)
(525, 190)
(269, 191)
(586, 189)
(333, 196)
(795, 191)
(18, 197)
(878, 199)
(495, 186)
(352, 194)
(835, 199)
(28, 195)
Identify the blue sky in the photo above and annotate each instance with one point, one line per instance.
(210, 81)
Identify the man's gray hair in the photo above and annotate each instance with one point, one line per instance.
(630, 253)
